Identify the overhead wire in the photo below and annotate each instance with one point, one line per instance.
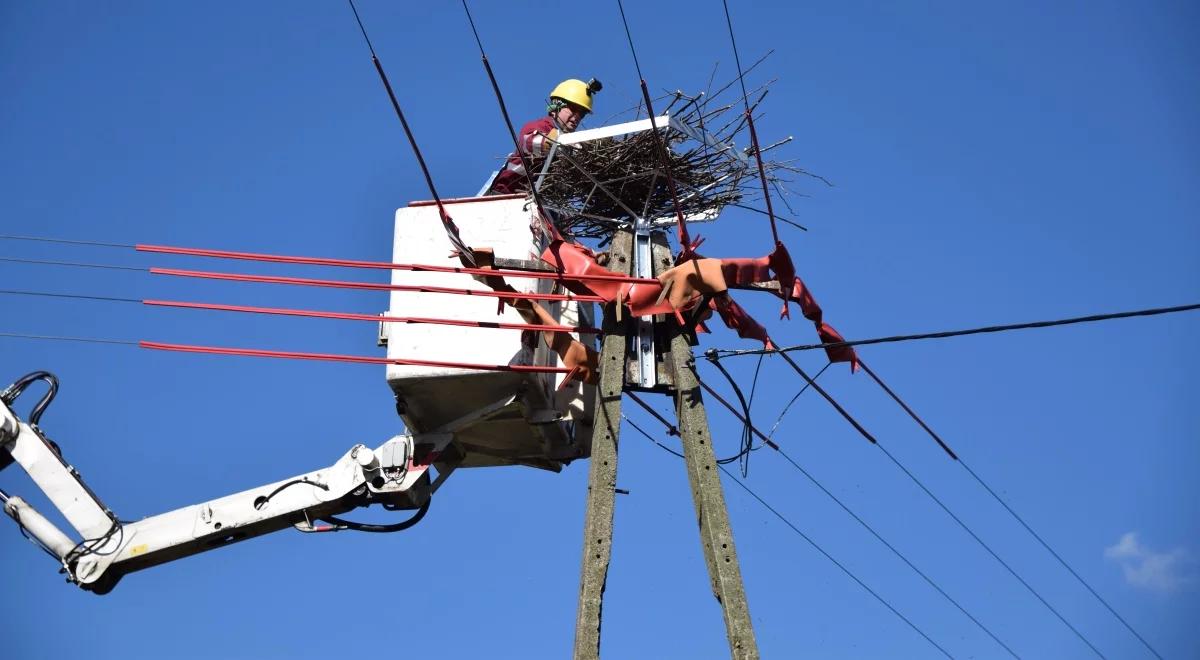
(526, 163)
(1153, 311)
(783, 413)
(812, 543)
(90, 340)
(867, 435)
(47, 294)
(681, 224)
(77, 264)
(750, 124)
(371, 286)
(773, 445)
(63, 241)
(1010, 510)
(312, 313)
(465, 252)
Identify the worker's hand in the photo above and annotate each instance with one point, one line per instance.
(555, 136)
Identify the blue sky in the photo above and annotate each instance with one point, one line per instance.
(991, 164)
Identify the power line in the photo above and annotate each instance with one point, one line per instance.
(857, 518)
(788, 407)
(526, 162)
(762, 174)
(78, 264)
(1008, 508)
(74, 296)
(65, 241)
(985, 546)
(811, 542)
(91, 340)
(866, 435)
(1060, 559)
(465, 252)
(1155, 311)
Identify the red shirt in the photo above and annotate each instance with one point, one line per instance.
(533, 143)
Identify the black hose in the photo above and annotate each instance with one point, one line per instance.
(12, 392)
(381, 529)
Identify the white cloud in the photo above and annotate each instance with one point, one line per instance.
(1143, 567)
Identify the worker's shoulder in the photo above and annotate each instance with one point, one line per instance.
(540, 125)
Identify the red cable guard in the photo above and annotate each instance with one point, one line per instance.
(360, 359)
(351, 316)
(372, 286)
(384, 265)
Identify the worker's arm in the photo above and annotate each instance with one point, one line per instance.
(538, 136)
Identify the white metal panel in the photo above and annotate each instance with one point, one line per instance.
(536, 427)
(503, 226)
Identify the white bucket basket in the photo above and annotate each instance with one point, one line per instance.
(521, 417)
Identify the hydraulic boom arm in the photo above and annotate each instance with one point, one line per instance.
(395, 474)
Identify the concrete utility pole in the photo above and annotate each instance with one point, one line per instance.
(716, 535)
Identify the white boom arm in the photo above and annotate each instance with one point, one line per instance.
(395, 474)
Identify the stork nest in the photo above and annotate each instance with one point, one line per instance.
(600, 185)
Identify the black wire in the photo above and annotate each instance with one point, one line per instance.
(649, 437)
(896, 552)
(671, 428)
(59, 338)
(381, 529)
(47, 294)
(1060, 559)
(736, 59)
(451, 232)
(71, 263)
(987, 547)
(867, 435)
(788, 407)
(362, 29)
(90, 546)
(632, 50)
(260, 503)
(526, 163)
(66, 241)
(12, 392)
(973, 331)
(913, 477)
(942, 443)
(810, 542)
(767, 441)
(835, 562)
(746, 438)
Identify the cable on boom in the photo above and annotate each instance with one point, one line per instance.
(10, 393)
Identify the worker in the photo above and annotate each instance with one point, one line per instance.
(569, 103)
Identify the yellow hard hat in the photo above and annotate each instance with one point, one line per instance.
(577, 92)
